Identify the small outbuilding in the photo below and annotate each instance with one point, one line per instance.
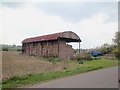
(52, 45)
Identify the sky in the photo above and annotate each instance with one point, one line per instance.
(94, 22)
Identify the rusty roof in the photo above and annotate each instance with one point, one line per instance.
(54, 36)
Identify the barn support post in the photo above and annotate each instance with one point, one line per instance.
(79, 47)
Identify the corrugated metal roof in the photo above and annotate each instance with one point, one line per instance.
(48, 37)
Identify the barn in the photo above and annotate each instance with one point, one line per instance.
(52, 45)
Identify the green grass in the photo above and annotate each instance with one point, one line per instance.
(54, 59)
(40, 77)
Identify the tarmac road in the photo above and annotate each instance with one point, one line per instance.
(104, 78)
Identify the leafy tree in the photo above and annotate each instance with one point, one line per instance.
(105, 48)
(116, 41)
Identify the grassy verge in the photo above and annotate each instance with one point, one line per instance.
(35, 78)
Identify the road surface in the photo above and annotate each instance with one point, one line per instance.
(104, 78)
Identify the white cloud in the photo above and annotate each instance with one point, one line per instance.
(96, 31)
(18, 24)
(60, 0)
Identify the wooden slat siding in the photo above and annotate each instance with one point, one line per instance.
(49, 44)
(58, 47)
(44, 49)
(38, 49)
(30, 48)
(33, 49)
(41, 49)
(49, 49)
(52, 49)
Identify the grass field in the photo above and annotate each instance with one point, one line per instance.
(24, 70)
(15, 63)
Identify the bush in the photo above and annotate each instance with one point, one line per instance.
(116, 51)
(54, 59)
(83, 56)
(117, 54)
(4, 49)
(19, 50)
(80, 62)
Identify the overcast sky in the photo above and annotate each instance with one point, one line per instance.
(94, 22)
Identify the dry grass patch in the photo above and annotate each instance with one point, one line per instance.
(15, 63)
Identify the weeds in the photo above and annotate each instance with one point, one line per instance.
(54, 59)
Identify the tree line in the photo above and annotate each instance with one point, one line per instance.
(5, 47)
(105, 49)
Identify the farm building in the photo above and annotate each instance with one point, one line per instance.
(52, 45)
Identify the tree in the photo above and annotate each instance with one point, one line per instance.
(105, 49)
(116, 41)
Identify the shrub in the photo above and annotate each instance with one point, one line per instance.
(4, 49)
(19, 50)
(116, 51)
(83, 56)
(54, 59)
(80, 62)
